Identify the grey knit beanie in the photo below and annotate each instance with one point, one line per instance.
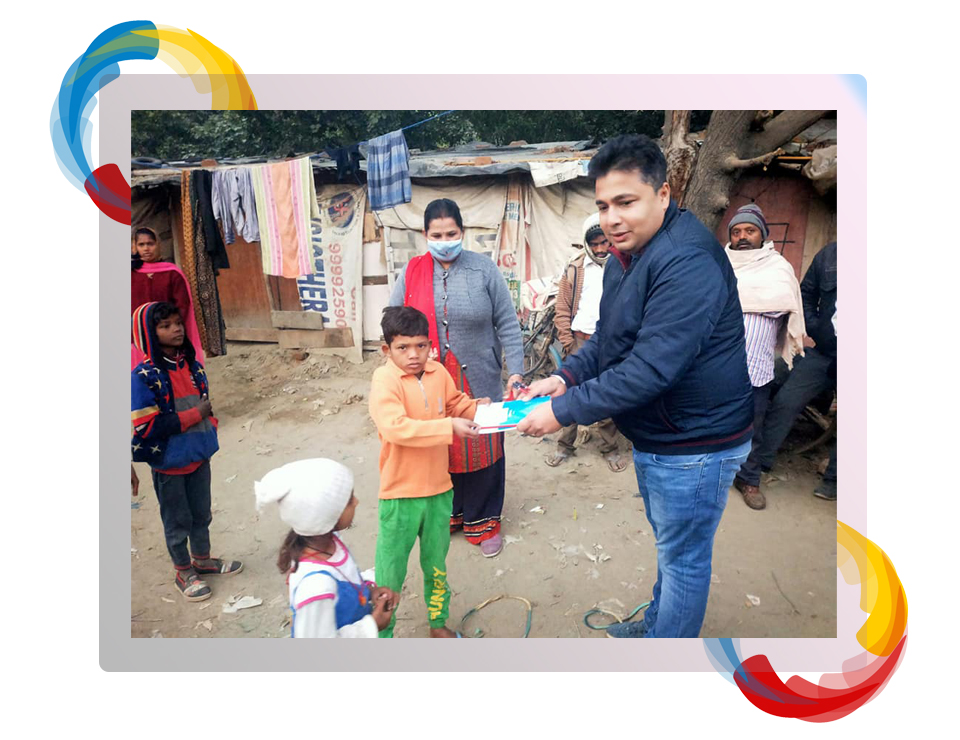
(750, 214)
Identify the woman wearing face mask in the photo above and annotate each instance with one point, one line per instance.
(473, 322)
(152, 279)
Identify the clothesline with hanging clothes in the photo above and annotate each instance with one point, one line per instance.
(276, 203)
(388, 165)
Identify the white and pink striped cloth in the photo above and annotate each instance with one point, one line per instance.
(286, 202)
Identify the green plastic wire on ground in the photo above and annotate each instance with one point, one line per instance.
(478, 607)
(631, 615)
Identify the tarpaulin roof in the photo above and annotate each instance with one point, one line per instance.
(477, 158)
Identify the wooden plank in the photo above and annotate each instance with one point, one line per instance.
(246, 334)
(288, 294)
(375, 280)
(306, 339)
(243, 290)
(297, 320)
(370, 230)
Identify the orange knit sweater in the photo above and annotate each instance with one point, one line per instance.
(413, 416)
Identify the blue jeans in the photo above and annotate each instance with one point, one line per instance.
(684, 497)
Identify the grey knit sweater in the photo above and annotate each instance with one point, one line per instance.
(482, 321)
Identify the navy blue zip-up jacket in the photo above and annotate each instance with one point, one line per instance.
(667, 361)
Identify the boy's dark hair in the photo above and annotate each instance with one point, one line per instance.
(163, 310)
(403, 321)
(629, 152)
(146, 230)
(442, 208)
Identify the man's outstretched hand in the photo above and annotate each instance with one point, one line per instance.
(540, 421)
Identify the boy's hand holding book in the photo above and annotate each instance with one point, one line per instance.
(465, 428)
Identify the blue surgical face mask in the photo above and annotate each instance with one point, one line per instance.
(446, 251)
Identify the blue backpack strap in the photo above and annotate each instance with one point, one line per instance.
(293, 599)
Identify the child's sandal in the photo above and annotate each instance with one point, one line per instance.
(192, 588)
(217, 567)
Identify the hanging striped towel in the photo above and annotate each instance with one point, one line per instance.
(388, 171)
(286, 200)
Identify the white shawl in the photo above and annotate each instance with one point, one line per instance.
(767, 284)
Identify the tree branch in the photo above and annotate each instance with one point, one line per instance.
(734, 163)
(783, 128)
(666, 128)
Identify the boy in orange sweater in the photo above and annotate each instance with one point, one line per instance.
(417, 410)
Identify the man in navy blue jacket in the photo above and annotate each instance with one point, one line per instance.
(668, 364)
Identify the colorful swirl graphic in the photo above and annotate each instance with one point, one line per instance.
(883, 636)
(210, 69)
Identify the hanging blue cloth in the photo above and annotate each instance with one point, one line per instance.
(388, 171)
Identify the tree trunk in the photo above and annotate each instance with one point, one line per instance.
(729, 148)
(680, 155)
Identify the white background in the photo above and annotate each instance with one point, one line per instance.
(50, 623)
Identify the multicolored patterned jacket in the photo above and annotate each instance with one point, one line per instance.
(168, 431)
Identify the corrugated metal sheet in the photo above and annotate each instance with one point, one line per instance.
(459, 162)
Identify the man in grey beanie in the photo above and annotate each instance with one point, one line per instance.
(772, 322)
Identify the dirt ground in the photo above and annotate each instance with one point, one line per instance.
(590, 546)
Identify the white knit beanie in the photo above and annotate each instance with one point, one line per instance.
(311, 494)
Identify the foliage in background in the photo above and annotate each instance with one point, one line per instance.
(177, 135)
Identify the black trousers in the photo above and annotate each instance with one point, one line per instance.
(750, 470)
(185, 513)
(812, 375)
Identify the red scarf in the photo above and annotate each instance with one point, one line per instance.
(419, 284)
(466, 455)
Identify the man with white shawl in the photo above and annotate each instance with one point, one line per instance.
(772, 320)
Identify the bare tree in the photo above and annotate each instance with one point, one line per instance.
(735, 141)
(679, 152)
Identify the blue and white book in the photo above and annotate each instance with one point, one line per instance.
(505, 415)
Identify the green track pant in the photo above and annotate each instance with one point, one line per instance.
(402, 520)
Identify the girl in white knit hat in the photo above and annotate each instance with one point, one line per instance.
(328, 596)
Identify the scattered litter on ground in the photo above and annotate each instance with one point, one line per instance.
(206, 624)
(203, 606)
(753, 600)
(537, 510)
(598, 506)
(509, 539)
(134, 551)
(614, 607)
(352, 398)
(714, 578)
(169, 601)
(157, 633)
(244, 603)
(231, 479)
(134, 504)
(263, 450)
(246, 425)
